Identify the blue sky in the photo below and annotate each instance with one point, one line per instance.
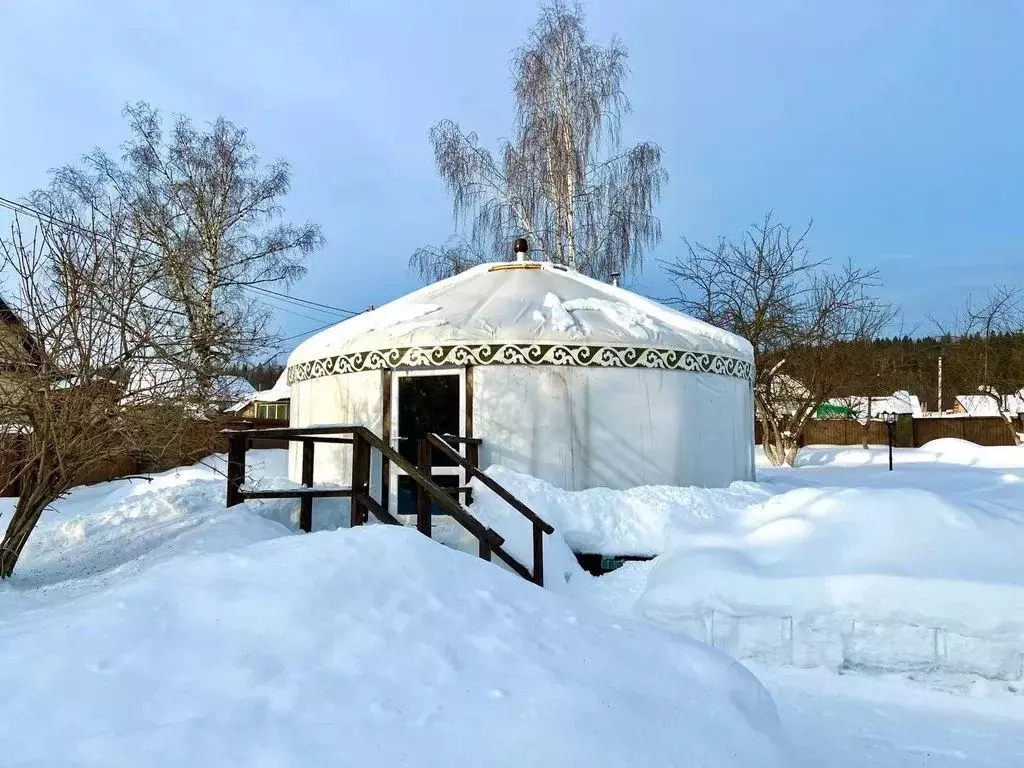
(896, 126)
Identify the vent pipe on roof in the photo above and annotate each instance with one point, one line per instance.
(521, 248)
(615, 278)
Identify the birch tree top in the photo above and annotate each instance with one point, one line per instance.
(563, 180)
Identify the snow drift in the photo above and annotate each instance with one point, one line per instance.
(838, 563)
(916, 571)
(214, 637)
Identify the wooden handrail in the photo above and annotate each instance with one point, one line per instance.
(491, 542)
(378, 511)
(449, 438)
(294, 433)
(435, 491)
(438, 442)
(539, 525)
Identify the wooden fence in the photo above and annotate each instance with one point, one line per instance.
(983, 430)
(205, 438)
(908, 432)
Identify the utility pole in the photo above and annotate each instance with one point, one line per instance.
(940, 383)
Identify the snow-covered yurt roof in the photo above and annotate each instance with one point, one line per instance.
(521, 313)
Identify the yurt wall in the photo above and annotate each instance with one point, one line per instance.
(355, 398)
(591, 427)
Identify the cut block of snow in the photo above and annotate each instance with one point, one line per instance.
(861, 577)
(374, 646)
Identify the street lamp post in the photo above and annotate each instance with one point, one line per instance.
(889, 417)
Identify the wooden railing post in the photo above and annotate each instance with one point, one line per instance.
(360, 480)
(306, 502)
(485, 549)
(538, 555)
(236, 469)
(424, 464)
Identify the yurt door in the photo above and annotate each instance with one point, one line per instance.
(423, 402)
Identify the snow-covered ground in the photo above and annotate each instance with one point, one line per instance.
(149, 625)
(884, 612)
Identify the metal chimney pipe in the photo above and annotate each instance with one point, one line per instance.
(521, 248)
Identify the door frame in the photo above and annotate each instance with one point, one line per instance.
(394, 471)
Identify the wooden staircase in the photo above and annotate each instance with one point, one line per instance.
(364, 442)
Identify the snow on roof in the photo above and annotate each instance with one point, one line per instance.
(159, 379)
(898, 402)
(232, 387)
(978, 405)
(529, 302)
(280, 391)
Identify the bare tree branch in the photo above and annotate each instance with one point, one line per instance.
(807, 324)
(562, 181)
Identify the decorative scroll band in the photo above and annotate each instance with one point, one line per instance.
(462, 355)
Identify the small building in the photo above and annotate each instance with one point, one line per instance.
(19, 350)
(565, 378)
(267, 405)
(990, 405)
(900, 402)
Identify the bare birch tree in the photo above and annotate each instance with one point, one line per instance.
(208, 212)
(564, 181)
(804, 321)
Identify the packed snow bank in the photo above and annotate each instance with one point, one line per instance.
(895, 579)
(639, 521)
(372, 646)
(918, 569)
(110, 530)
(837, 562)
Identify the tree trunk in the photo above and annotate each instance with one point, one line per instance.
(781, 450)
(1011, 425)
(780, 446)
(26, 514)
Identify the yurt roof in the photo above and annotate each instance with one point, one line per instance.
(522, 305)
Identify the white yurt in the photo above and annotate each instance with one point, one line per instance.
(565, 378)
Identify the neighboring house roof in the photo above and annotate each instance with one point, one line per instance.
(232, 388)
(901, 402)
(989, 405)
(978, 405)
(280, 391)
(29, 343)
(160, 380)
(787, 393)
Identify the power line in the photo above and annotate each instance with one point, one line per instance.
(309, 302)
(307, 333)
(264, 302)
(22, 208)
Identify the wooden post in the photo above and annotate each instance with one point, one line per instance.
(423, 524)
(236, 469)
(538, 555)
(360, 479)
(485, 549)
(306, 502)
